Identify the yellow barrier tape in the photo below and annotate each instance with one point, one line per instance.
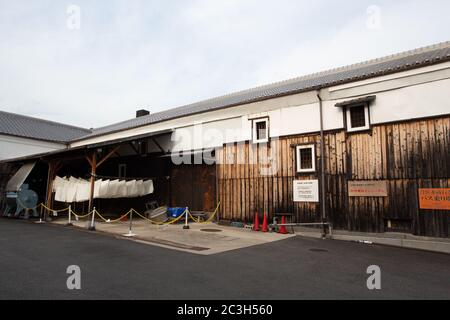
(112, 221)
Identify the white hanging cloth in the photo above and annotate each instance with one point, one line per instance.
(104, 187)
(83, 189)
(148, 187)
(78, 190)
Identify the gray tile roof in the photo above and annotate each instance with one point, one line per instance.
(28, 127)
(391, 64)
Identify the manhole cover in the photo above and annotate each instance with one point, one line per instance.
(211, 230)
(318, 250)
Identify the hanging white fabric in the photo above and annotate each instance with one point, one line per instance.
(140, 191)
(148, 187)
(97, 185)
(104, 187)
(78, 190)
(131, 189)
(59, 186)
(83, 189)
(113, 189)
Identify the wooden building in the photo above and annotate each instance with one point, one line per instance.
(364, 147)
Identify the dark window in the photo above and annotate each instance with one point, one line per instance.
(358, 116)
(306, 158)
(122, 170)
(261, 130)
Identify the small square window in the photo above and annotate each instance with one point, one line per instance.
(306, 158)
(260, 130)
(358, 118)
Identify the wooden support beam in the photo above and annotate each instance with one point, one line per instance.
(94, 165)
(158, 145)
(88, 160)
(134, 147)
(107, 156)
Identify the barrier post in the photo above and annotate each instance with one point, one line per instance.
(92, 226)
(130, 233)
(40, 216)
(186, 220)
(69, 223)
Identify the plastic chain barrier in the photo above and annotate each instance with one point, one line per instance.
(126, 214)
(80, 216)
(160, 223)
(26, 208)
(112, 221)
(208, 220)
(41, 205)
(55, 211)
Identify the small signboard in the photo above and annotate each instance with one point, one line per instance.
(367, 189)
(306, 191)
(434, 199)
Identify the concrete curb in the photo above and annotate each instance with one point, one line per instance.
(429, 244)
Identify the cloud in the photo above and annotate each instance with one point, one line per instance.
(153, 54)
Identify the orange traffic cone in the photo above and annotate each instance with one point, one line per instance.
(265, 227)
(256, 224)
(283, 229)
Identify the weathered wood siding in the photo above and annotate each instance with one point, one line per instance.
(409, 155)
(193, 186)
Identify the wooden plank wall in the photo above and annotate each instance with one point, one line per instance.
(409, 155)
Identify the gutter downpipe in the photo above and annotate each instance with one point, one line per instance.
(322, 164)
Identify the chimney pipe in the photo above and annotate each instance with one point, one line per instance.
(142, 113)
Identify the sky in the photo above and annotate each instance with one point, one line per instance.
(93, 63)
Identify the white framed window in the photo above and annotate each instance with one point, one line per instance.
(306, 158)
(122, 170)
(357, 117)
(261, 130)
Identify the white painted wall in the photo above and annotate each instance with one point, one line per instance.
(419, 93)
(15, 147)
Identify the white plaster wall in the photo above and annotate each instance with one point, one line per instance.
(15, 147)
(406, 95)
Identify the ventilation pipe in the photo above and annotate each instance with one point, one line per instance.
(322, 163)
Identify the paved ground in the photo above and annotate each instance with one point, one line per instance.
(34, 258)
(193, 240)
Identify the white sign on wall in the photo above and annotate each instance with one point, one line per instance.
(306, 190)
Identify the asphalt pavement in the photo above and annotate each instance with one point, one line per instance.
(34, 260)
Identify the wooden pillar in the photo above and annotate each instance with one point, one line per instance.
(53, 167)
(93, 163)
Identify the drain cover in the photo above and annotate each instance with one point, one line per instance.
(318, 250)
(211, 230)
